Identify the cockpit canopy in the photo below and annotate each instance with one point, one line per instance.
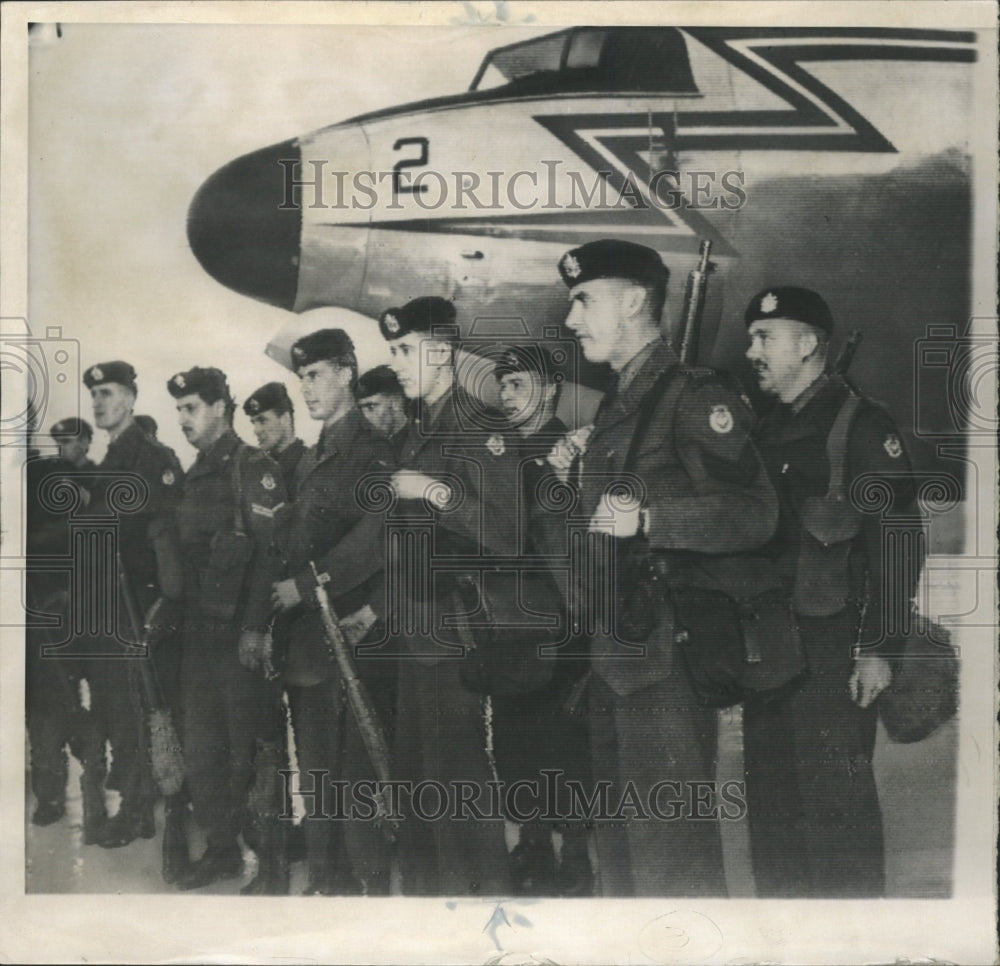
(599, 59)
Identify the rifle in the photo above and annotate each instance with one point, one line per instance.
(694, 305)
(359, 700)
(165, 746)
(846, 356)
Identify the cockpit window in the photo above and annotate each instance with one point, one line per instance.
(514, 63)
(598, 59)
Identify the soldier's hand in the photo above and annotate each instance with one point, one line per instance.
(871, 676)
(285, 595)
(410, 485)
(567, 449)
(255, 649)
(616, 515)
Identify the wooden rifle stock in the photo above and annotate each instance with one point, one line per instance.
(359, 700)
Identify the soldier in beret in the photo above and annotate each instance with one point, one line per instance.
(534, 731)
(816, 827)
(73, 437)
(703, 494)
(383, 403)
(147, 546)
(458, 484)
(230, 512)
(330, 528)
(272, 416)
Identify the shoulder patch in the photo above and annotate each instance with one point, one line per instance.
(168, 478)
(496, 445)
(893, 447)
(720, 419)
(267, 481)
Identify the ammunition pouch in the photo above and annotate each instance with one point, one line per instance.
(507, 621)
(735, 631)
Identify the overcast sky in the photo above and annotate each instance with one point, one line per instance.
(127, 121)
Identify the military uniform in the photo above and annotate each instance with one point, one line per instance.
(52, 703)
(329, 527)
(227, 589)
(288, 461)
(273, 397)
(150, 569)
(814, 815)
(535, 730)
(706, 494)
(441, 726)
(114, 683)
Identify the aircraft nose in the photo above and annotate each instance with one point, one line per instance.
(244, 231)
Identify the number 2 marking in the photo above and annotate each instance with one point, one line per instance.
(398, 187)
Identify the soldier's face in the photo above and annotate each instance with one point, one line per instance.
(326, 388)
(270, 429)
(598, 313)
(202, 423)
(421, 364)
(522, 394)
(778, 350)
(74, 449)
(112, 405)
(384, 411)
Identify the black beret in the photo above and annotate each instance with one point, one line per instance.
(116, 371)
(612, 258)
(147, 424)
(319, 346)
(210, 384)
(422, 314)
(790, 302)
(379, 379)
(526, 358)
(272, 395)
(71, 427)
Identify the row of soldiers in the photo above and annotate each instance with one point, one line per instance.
(433, 528)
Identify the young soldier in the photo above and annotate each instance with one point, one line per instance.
(456, 497)
(383, 403)
(701, 492)
(229, 514)
(330, 529)
(272, 416)
(147, 550)
(533, 731)
(816, 827)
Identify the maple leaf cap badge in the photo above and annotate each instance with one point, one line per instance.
(570, 265)
(769, 302)
(391, 322)
(179, 381)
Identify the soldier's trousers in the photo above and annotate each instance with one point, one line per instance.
(226, 709)
(815, 822)
(328, 744)
(655, 735)
(441, 738)
(52, 708)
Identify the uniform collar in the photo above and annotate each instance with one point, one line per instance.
(630, 370)
(809, 393)
(653, 360)
(338, 437)
(128, 439)
(220, 451)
